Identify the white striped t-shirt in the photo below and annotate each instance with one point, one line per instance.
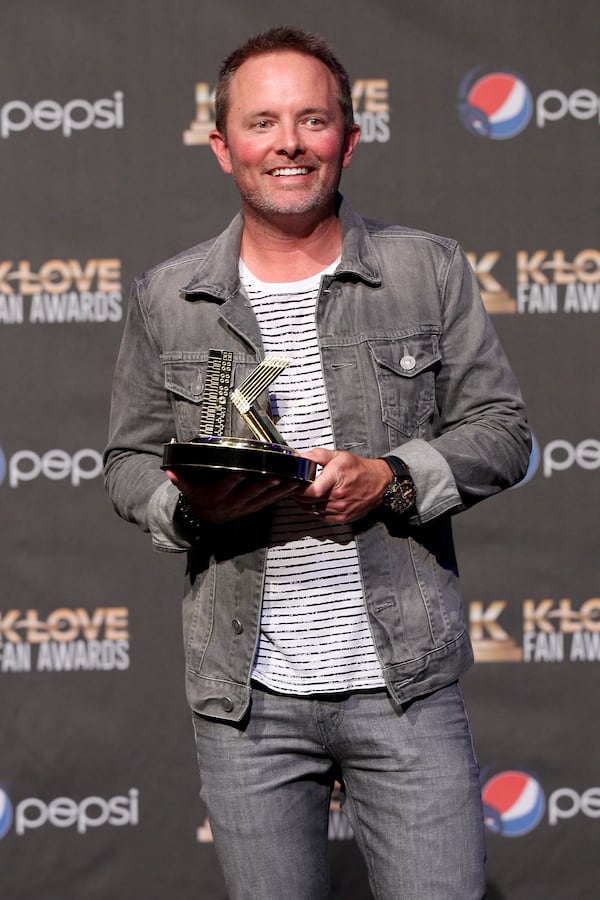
(314, 635)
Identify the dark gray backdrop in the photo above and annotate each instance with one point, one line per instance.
(98, 788)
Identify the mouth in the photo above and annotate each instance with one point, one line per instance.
(285, 172)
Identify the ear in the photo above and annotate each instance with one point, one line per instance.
(218, 145)
(350, 142)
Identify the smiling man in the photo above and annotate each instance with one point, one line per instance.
(324, 628)
(285, 140)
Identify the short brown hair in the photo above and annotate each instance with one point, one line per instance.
(284, 37)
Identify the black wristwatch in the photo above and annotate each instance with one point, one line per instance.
(400, 493)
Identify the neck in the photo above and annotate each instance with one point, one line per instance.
(289, 251)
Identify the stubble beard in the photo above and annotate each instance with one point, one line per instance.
(291, 202)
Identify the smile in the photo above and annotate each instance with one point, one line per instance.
(297, 170)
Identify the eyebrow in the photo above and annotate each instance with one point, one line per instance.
(307, 111)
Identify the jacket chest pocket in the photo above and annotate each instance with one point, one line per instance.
(185, 378)
(405, 370)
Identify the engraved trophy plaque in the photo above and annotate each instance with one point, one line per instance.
(212, 452)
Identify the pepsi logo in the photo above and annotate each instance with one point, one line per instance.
(559, 455)
(496, 105)
(513, 803)
(6, 813)
(534, 462)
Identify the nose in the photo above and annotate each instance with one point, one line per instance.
(290, 143)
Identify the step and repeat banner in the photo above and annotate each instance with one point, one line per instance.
(480, 120)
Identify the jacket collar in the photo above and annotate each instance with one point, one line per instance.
(217, 274)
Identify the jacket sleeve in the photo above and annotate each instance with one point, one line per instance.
(141, 421)
(482, 441)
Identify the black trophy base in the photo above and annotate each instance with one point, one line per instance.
(204, 458)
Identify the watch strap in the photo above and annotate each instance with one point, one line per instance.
(400, 494)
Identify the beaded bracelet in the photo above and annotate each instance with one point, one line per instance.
(183, 515)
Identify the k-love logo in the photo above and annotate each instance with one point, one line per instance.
(93, 812)
(74, 115)
(64, 640)
(60, 291)
(514, 803)
(498, 104)
(550, 631)
(544, 282)
(370, 99)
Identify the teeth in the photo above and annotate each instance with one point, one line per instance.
(295, 171)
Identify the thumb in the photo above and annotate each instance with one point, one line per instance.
(319, 455)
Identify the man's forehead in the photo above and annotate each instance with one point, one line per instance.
(264, 64)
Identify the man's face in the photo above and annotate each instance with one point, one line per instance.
(285, 144)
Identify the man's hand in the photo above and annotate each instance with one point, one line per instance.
(231, 496)
(347, 488)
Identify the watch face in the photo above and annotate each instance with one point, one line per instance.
(400, 495)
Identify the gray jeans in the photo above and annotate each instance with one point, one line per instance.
(410, 779)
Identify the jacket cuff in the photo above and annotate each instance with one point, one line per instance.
(166, 534)
(437, 492)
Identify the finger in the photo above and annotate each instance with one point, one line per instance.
(255, 487)
(320, 455)
(252, 498)
(175, 479)
(323, 485)
(220, 484)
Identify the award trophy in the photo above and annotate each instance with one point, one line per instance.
(212, 452)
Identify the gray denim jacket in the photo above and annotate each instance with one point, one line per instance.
(412, 366)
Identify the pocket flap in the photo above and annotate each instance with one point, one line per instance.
(407, 356)
(185, 376)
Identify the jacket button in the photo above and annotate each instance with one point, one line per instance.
(237, 626)
(227, 704)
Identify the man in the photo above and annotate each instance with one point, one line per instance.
(323, 622)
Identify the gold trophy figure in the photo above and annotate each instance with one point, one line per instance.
(212, 451)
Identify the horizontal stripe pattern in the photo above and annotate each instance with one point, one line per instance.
(314, 635)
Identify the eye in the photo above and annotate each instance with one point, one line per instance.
(261, 124)
(314, 121)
